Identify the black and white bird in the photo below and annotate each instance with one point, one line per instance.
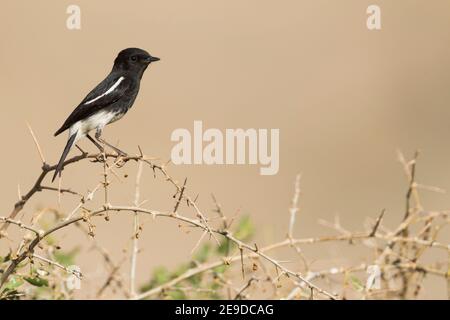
(107, 102)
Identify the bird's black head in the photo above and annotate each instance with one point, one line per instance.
(133, 59)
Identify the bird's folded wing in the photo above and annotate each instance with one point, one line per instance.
(102, 96)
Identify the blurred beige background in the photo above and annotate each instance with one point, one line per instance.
(344, 98)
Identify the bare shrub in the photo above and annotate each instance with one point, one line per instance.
(225, 262)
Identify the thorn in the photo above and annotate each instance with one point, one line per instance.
(36, 143)
(242, 262)
(59, 190)
(180, 197)
(377, 223)
(19, 193)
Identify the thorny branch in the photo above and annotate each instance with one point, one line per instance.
(397, 251)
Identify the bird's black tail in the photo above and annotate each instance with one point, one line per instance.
(64, 155)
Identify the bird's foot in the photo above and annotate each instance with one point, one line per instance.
(101, 157)
(121, 154)
(120, 161)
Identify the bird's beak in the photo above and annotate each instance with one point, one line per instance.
(152, 59)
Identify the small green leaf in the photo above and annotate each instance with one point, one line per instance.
(8, 294)
(224, 247)
(245, 229)
(50, 240)
(161, 275)
(6, 258)
(216, 285)
(180, 270)
(203, 253)
(37, 281)
(177, 295)
(196, 279)
(66, 258)
(220, 269)
(14, 282)
(356, 283)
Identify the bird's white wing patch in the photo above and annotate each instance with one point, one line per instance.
(113, 87)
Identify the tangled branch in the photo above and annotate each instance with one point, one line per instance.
(397, 252)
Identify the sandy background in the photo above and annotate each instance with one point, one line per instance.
(344, 98)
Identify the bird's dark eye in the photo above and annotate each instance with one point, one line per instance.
(133, 58)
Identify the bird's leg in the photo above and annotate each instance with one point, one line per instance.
(101, 156)
(98, 145)
(98, 136)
